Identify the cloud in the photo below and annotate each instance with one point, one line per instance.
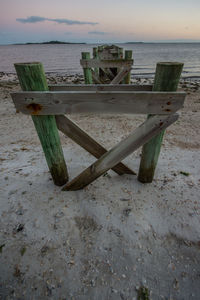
(32, 19)
(71, 22)
(98, 32)
(36, 19)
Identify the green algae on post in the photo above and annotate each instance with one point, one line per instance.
(32, 78)
(166, 79)
(87, 71)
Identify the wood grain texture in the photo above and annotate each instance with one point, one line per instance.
(97, 63)
(141, 135)
(87, 142)
(166, 79)
(32, 78)
(100, 87)
(56, 103)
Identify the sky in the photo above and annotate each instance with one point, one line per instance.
(101, 21)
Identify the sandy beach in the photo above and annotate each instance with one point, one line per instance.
(115, 237)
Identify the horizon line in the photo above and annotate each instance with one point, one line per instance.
(112, 42)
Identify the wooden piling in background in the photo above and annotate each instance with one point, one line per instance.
(166, 80)
(128, 55)
(95, 56)
(87, 71)
(32, 78)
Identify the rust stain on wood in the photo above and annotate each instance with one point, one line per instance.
(169, 103)
(34, 107)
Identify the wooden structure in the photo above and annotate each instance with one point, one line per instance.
(47, 109)
(108, 66)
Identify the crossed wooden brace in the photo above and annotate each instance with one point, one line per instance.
(106, 66)
(118, 99)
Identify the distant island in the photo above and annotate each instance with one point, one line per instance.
(50, 43)
(135, 43)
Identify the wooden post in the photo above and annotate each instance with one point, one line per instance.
(128, 55)
(120, 55)
(95, 55)
(166, 79)
(87, 71)
(32, 78)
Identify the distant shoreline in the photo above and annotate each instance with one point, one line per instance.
(84, 43)
(50, 43)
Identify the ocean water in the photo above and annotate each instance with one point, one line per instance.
(65, 59)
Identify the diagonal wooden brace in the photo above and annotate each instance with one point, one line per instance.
(108, 72)
(87, 142)
(120, 76)
(96, 78)
(140, 136)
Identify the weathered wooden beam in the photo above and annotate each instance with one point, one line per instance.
(97, 63)
(120, 76)
(100, 87)
(56, 103)
(128, 55)
(166, 79)
(96, 78)
(32, 78)
(87, 70)
(141, 135)
(87, 142)
(108, 72)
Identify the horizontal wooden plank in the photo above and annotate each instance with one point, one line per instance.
(141, 135)
(100, 87)
(55, 103)
(97, 63)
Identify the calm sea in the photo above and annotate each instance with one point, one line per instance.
(65, 58)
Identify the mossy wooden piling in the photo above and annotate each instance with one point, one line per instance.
(32, 78)
(87, 71)
(166, 79)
